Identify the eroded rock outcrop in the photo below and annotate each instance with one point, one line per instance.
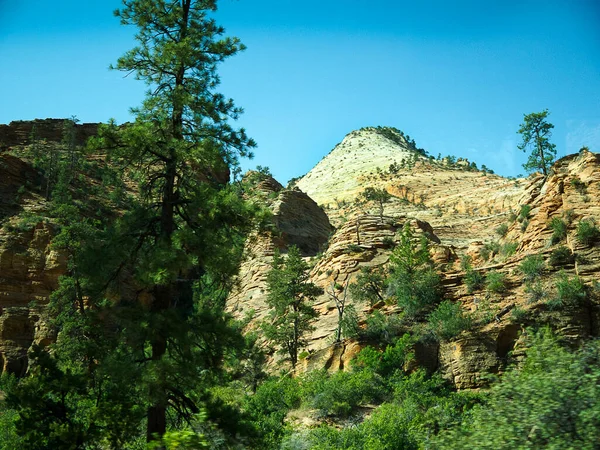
(459, 211)
(21, 132)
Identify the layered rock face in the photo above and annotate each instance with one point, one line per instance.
(29, 267)
(297, 220)
(459, 211)
(21, 132)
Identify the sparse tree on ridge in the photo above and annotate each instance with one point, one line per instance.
(536, 132)
(379, 196)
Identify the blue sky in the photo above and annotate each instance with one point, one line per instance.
(456, 76)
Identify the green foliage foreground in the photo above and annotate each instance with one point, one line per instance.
(551, 401)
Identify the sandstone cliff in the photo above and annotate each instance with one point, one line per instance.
(456, 207)
(460, 211)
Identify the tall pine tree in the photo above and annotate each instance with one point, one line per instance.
(141, 325)
(180, 149)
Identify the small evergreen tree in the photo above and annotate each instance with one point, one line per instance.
(536, 133)
(290, 295)
(379, 196)
(369, 286)
(413, 281)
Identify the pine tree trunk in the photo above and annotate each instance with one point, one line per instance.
(541, 151)
(157, 412)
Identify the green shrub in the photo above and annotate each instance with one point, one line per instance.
(524, 225)
(421, 407)
(495, 282)
(484, 252)
(561, 256)
(340, 393)
(508, 249)
(466, 262)
(474, 280)
(501, 230)
(587, 232)
(448, 320)
(354, 248)
(388, 242)
(386, 362)
(532, 267)
(518, 314)
(579, 185)
(524, 213)
(269, 406)
(535, 291)
(559, 230)
(569, 292)
(27, 222)
(382, 328)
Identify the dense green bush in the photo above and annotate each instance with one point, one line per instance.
(382, 328)
(448, 320)
(340, 393)
(388, 361)
(518, 314)
(420, 408)
(268, 407)
(532, 267)
(552, 402)
(495, 282)
(8, 416)
(579, 185)
(535, 291)
(474, 280)
(587, 232)
(501, 230)
(559, 230)
(524, 213)
(413, 281)
(561, 256)
(508, 249)
(569, 292)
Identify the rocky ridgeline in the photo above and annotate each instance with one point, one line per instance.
(338, 175)
(21, 132)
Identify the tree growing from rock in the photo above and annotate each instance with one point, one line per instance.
(379, 196)
(347, 318)
(290, 294)
(536, 133)
(413, 280)
(370, 285)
